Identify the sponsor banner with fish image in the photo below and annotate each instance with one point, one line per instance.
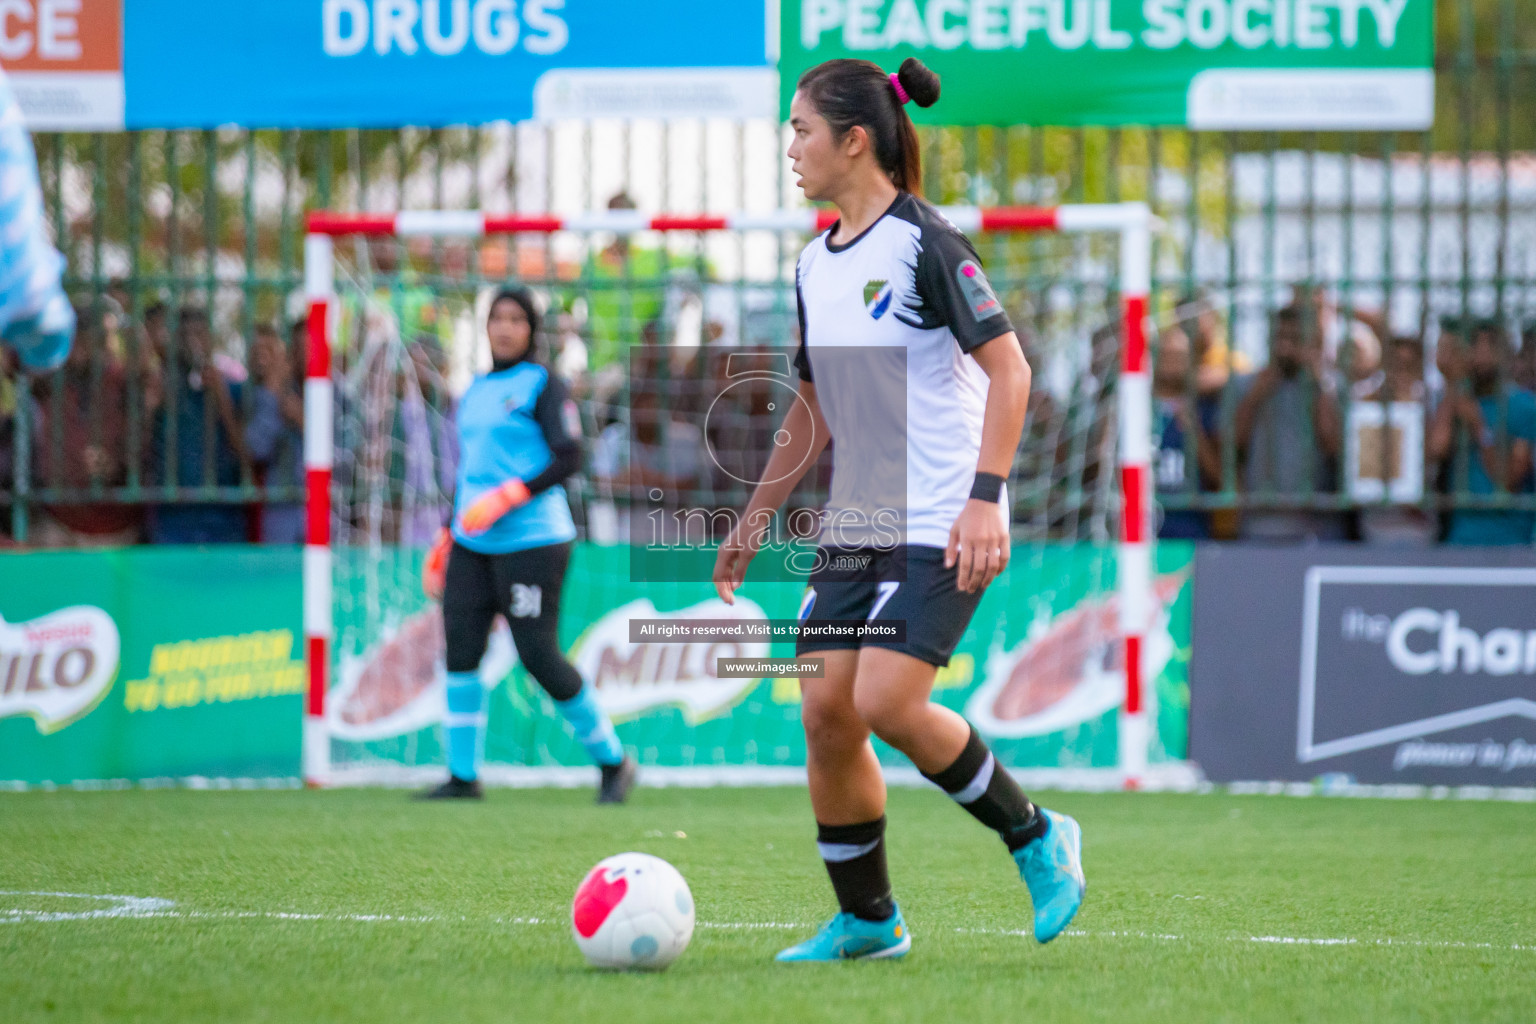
(1038, 671)
(389, 673)
(1051, 664)
(143, 663)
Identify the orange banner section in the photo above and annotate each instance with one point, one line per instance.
(61, 35)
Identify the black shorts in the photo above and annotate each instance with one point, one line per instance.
(521, 586)
(906, 584)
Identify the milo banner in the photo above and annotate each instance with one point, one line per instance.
(185, 665)
(1039, 671)
(1222, 64)
(146, 663)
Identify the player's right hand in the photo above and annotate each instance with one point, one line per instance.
(492, 505)
(434, 571)
(731, 565)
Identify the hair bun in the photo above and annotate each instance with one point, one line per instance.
(920, 83)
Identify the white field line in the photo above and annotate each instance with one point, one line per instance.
(153, 908)
(51, 917)
(1279, 940)
(143, 908)
(1177, 777)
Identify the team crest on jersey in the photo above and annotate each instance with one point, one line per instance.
(877, 297)
(977, 292)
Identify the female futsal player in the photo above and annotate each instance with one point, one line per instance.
(509, 546)
(901, 340)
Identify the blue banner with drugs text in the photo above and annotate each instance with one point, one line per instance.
(383, 63)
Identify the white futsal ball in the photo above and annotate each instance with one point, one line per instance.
(632, 912)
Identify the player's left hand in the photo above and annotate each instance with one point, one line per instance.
(492, 505)
(978, 543)
(434, 571)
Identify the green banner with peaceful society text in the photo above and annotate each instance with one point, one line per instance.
(1212, 64)
(150, 663)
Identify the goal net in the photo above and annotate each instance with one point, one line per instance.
(1074, 667)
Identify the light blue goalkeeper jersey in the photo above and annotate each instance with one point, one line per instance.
(35, 316)
(510, 423)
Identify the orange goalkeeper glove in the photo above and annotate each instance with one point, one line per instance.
(492, 505)
(434, 571)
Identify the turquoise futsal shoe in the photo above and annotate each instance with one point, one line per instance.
(1052, 867)
(846, 937)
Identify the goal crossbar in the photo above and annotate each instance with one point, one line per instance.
(1132, 222)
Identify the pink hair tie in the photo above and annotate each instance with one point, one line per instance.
(901, 93)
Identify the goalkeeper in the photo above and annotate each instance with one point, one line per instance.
(35, 316)
(509, 546)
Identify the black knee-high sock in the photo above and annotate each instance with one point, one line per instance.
(855, 858)
(982, 786)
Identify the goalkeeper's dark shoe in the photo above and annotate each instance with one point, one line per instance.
(618, 780)
(455, 789)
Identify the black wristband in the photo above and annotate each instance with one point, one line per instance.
(988, 487)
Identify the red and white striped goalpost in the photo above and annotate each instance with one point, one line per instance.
(319, 445)
(1132, 222)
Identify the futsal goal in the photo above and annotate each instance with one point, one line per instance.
(1063, 666)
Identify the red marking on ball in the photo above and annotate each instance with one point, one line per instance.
(968, 271)
(595, 899)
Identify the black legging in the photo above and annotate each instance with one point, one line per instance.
(524, 588)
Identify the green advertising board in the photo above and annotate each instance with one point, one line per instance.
(1038, 670)
(184, 664)
(150, 663)
(1215, 64)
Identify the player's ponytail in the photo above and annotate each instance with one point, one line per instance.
(857, 92)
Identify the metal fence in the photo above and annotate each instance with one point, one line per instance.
(184, 252)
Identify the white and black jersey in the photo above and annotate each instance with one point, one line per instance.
(887, 324)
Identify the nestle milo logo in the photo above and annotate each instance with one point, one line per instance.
(58, 667)
(631, 678)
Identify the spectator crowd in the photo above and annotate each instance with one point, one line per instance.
(153, 432)
(1323, 440)
(172, 428)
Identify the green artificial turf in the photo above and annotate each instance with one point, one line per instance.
(1438, 898)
